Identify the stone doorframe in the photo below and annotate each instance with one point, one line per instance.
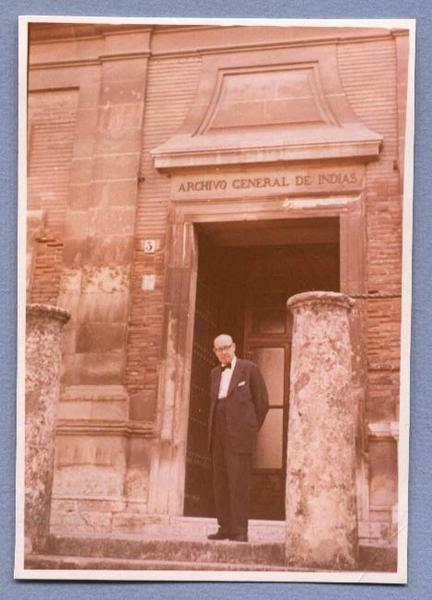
(168, 461)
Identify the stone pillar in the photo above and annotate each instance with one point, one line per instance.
(43, 361)
(321, 519)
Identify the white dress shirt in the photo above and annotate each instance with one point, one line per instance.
(226, 379)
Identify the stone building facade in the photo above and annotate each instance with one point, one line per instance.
(187, 180)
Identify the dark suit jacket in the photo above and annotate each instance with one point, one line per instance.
(246, 405)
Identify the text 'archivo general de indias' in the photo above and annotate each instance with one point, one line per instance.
(281, 181)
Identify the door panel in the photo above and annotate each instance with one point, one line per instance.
(271, 362)
(198, 499)
(268, 483)
(269, 450)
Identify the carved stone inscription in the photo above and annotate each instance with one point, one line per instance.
(269, 182)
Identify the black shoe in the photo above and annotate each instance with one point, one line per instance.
(219, 535)
(240, 537)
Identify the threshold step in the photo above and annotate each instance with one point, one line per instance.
(43, 561)
(134, 548)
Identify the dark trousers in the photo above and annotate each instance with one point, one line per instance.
(231, 478)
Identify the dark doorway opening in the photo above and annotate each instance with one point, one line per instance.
(246, 273)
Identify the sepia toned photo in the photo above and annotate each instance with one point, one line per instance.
(215, 269)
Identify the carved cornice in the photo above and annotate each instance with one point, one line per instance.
(264, 107)
(86, 62)
(40, 32)
(321, 299)
(48, 310)
(92, 427)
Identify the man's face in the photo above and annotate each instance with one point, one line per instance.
(224, 348)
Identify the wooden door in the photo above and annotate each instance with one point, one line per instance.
(198, 499)
(267, 343)
(218, 309)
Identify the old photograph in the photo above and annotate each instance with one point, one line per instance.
(215, 271)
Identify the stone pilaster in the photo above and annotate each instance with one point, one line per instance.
(321, 517)
(43, 361)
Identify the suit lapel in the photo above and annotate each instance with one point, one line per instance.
(236, 376)
(215, 385)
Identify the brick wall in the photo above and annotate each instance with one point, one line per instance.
(171, 87)
(369, 74)
(51, 133)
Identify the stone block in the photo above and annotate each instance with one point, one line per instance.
(86, 523)
(178, 285)
(71, 281)
(96, 306)
(70, 373)
(81, 197)
(119, 116)
(100, 337)
(81, 169)
(74, 253)
(129, 523)
(104, 368)
(90, 91)
(121, 91)
(139, 457)
(69, 339)
(76, 225)
(106, 278)
(120, 141)
(70, 302)
(117, 166)
(87, 466)
(103, 506)
(382, 472)
(138, 41)
(74, 410)
(85, 130)
(116, 69)
(136, 482)
(142, 407)
(105, 410)
(110, 249)
(115, 193)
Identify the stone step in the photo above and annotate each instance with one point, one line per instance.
(189, 528)
(134, 548)
(384, 562)
(44, 561)
(132, 552)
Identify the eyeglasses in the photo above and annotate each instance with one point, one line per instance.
(222, 348)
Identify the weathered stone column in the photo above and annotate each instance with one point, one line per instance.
(43, 361)
(321, 515)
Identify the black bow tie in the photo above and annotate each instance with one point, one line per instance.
(227, 366)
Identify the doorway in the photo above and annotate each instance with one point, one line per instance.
(246, 272)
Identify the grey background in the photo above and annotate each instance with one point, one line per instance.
(420, 506)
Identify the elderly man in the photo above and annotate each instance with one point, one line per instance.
(239, 404)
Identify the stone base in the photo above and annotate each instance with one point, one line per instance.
(180, 543)
(138, 552)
